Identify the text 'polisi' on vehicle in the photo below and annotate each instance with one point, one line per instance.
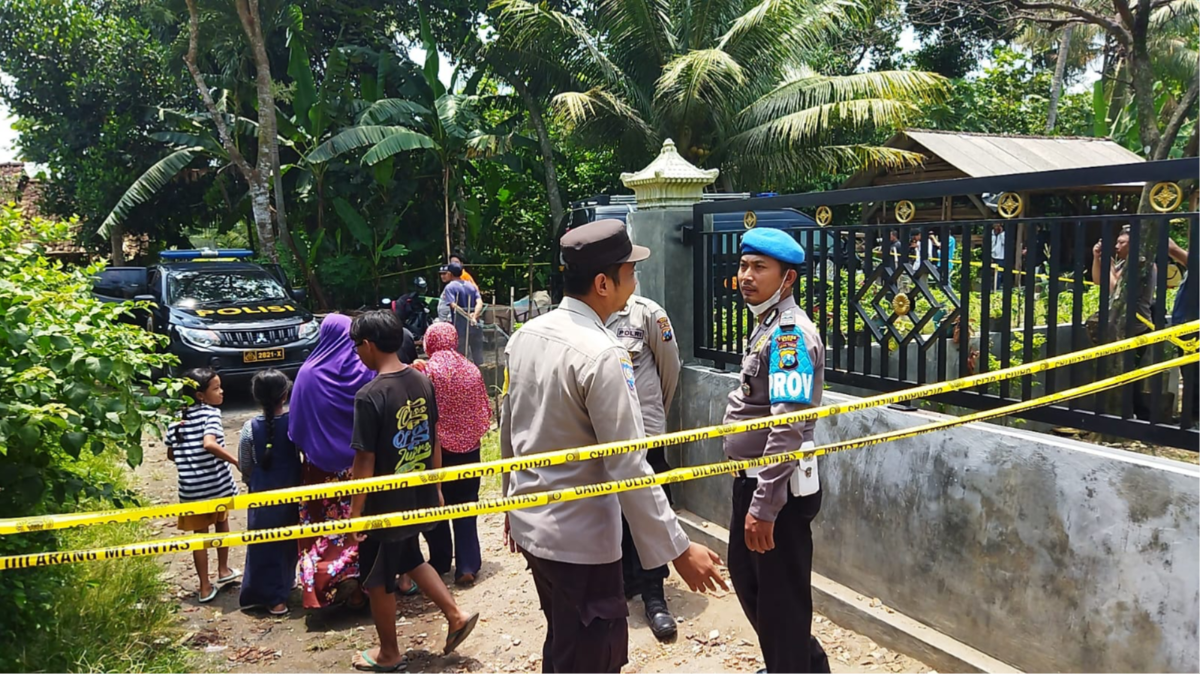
(219, 310)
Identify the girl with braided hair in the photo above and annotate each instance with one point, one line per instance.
(269, 460)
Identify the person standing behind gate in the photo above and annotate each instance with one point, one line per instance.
(459, 298)
(570, 383)
(770, 534)
(645, 331)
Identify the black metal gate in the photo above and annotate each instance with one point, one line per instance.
(909, 303)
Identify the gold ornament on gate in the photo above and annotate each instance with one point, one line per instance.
(905, 211)
(749, 219)
(824, 216)
(1165, 197)
(901, 305)
(1010, 204)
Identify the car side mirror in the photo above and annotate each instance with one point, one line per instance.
(145, 298)
(300, 295)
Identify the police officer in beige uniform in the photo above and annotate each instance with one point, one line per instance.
(770, 534)
(643, 327)
(571, 384)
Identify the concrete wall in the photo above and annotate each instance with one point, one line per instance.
(1049, 554)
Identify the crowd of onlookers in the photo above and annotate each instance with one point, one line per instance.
(362, 404)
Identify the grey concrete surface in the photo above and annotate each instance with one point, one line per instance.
(1049, 554)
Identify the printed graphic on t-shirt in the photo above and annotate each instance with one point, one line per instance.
(791, 372)
(413, 440)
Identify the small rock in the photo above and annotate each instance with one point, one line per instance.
(714, 634)
(213, 648)
(516, 642)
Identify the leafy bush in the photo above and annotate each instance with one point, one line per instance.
(74, 388)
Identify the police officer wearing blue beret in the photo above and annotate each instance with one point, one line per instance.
(770, 534)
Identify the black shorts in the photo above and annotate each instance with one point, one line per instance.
(382, 561)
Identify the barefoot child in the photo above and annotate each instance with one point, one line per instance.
(196, 443)
(269, 460)
(395, 417)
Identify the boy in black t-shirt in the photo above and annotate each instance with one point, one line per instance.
(395, 417)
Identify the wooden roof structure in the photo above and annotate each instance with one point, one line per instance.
(951, 154)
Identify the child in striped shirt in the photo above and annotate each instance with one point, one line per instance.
(196, 443)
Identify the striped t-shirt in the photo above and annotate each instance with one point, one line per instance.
(201, 475)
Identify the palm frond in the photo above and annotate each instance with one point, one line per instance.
(573, 108)
(703, 73)
(148, 184)
(399, 140)
(392, 111)
(779, 32)
(776, 168)
(529, 22)
(813, 125)
(641, 30)
(352, 139)
(806, 90)
(185, 140)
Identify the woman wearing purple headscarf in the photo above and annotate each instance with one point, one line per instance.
(321, 419)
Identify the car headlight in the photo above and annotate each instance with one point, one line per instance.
(200, 338)
(309, 329)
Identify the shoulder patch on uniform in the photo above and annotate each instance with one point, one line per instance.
(788, 319)
(664, 326)
(634, 333)
(627, 368)
(790, 370)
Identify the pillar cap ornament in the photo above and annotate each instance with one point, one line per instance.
(670, 181)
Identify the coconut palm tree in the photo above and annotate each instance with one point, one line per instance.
(729, 83)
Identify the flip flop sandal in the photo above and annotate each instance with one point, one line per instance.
(279, 613)
(455, 639)
(372, 666)
(210, 596)
(234, 574)
(412, 591)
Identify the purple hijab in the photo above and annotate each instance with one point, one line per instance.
(322, 408)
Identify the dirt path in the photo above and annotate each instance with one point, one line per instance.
(713, 633)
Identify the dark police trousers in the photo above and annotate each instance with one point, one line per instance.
(587, 626)
(775, 588)
(641, 581)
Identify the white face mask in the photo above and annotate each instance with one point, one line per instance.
(760, 309)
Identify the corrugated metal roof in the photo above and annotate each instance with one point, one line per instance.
(979, 155)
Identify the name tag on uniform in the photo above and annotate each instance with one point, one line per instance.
(632, 333)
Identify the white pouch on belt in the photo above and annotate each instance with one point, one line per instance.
(804, 480)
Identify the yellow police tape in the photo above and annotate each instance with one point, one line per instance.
(497, 505)
(386, 482)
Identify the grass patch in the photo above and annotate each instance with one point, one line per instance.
(489, 450)
(114, 615)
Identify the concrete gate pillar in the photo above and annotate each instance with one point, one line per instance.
(666, 190)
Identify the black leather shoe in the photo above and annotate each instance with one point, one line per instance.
(662, 623)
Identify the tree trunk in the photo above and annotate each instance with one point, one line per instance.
(558, 213)
(446, 201)
(1060, 72)
(268, 139)
(257, 183)
(117, 241)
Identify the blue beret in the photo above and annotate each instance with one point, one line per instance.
(773, 243)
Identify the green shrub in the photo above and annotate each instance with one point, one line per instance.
(75, 399)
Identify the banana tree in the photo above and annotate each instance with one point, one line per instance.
(447, 124)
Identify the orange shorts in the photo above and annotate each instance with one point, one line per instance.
(201, 521)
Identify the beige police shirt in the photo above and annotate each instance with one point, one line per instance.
(646, 332)
(783, 371)
(571, 384)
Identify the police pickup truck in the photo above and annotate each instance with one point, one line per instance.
(218, 310)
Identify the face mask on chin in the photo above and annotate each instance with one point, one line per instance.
(760, 309)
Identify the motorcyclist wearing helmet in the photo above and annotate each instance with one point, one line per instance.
(412, 310)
